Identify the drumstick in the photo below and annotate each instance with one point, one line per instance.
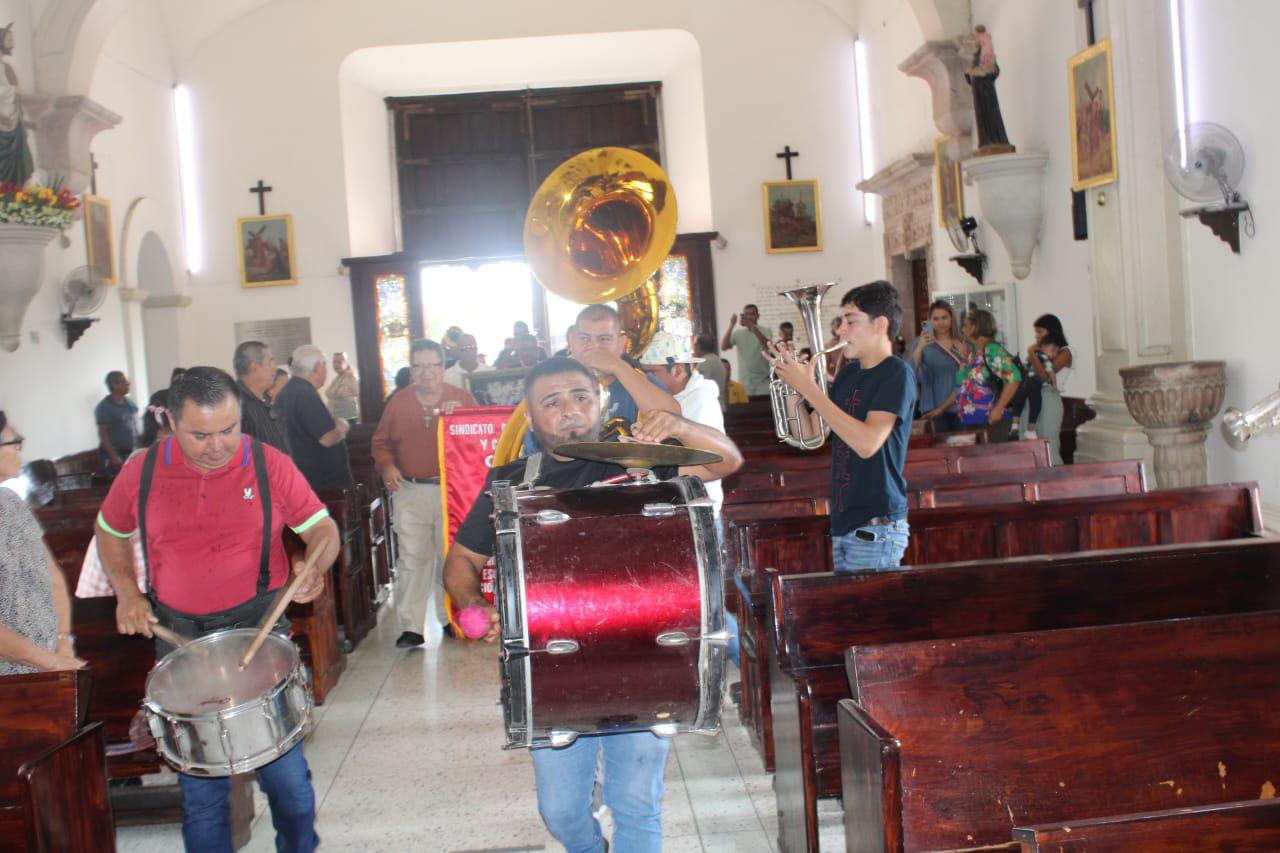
(277, 608)
(173, 638)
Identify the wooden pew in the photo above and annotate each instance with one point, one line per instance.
(65, 802)
(1167, 517)
(770, 472)
(815, 617)
(1248, 826)
(948, 745)
(351, 574)
(38, 712)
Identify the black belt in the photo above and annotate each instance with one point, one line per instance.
(422, 481)
(246, 615)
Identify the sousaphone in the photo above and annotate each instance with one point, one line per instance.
(598, 230)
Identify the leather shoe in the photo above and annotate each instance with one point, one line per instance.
(409, 639)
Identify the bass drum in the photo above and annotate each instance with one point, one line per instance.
(612, 611)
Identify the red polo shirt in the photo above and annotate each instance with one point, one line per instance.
(204, 529)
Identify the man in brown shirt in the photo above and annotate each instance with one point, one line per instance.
(406, 455)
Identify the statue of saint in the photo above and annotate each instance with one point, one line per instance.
(15, 155)
(982, 76)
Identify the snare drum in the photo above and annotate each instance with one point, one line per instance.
(612, 611)
(209, 718)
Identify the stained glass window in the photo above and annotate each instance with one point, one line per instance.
(393, 328)
(674, 299)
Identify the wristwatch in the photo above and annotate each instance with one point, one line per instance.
(70, 638)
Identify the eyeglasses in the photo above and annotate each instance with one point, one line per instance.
(17, 442)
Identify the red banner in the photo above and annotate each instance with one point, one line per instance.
(467, 440)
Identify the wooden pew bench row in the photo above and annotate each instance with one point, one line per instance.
(815, 617)
(952, 745)
(1174, 516)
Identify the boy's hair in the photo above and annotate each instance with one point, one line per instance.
(877, 299)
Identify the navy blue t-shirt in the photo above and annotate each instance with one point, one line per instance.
(863, 489)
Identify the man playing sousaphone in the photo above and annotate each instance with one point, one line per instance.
(212, 505)
(598, 343)
(563, 408)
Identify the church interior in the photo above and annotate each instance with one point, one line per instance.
(354, 177)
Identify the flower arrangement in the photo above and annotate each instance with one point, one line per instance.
(36, 205)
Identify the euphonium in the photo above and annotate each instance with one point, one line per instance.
(791, 424)
(1262, 416)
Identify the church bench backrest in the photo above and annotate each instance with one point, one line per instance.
(65, 802)
(815, 617)
(68, 546)
(1089, 479)
(773, 470)
(119, 664)
(1247, 826)
(1164, 517)
(1014, 729)
(37, 712)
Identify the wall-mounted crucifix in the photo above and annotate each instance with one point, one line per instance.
(786, 154)
(261, 189)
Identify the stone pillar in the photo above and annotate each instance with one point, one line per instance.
(940, 64)
(1135, 240)
(906, 187)
(64, 129)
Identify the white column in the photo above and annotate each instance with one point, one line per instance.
(1135, 241)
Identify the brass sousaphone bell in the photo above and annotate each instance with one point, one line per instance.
(597, 231)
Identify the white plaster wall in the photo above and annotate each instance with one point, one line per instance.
(1234, 298)
(1033, 42)
(774, 73)
(48, 390)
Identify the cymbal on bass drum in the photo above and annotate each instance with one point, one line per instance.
(635, 454)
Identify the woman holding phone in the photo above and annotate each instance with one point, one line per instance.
(938, 352)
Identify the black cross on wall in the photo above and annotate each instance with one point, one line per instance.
(786, 154)
(261, 189)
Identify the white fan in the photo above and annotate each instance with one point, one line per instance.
(79, 295)
(1204, 162)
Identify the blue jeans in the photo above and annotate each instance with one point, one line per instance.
(633, 768)
(206, 807)
(875, 546)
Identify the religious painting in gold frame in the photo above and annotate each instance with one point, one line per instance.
(950, 191)
(97, 237)
(1091, 100)
(265, 245)
(792, 217)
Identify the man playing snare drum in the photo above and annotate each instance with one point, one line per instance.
(203, 498)
(564, 407)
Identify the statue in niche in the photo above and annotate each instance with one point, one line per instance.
(981, 76)
(16, 165)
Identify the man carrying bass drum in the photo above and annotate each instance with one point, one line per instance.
(563, 408)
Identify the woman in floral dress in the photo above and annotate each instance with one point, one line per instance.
(989, 380)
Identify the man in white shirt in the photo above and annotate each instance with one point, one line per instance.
(468, 362)
(670, 360)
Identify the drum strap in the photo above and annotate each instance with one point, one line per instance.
(532, 468)
(264, 499)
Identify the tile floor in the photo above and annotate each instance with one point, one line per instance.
(406, 756)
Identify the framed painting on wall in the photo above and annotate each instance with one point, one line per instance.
(97, 237)
(266, 251)
(950, 193)
(1092, 103)
(792, 217)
